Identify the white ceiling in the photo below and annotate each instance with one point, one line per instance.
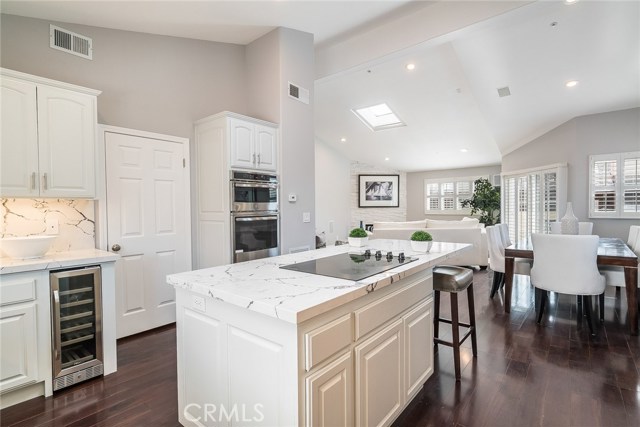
(449, 102)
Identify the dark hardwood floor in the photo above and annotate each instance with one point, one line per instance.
(525, 374)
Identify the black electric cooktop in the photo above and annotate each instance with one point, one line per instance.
(352, 266)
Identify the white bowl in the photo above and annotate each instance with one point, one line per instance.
(26, 247)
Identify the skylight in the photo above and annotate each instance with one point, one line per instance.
(378, 117)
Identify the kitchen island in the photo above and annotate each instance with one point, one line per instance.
(262, 345)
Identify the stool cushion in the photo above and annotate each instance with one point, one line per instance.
(450, 278)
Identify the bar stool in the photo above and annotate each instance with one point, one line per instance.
(453, 279)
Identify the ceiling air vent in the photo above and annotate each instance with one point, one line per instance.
(70, 42)
(504, 91)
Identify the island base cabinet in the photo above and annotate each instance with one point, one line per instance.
(329, 394)
(418, 354)
(379, 385)
(235, 366)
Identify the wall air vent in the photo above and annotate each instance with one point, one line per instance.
(70, 42)
(504, 91)
(299, 93)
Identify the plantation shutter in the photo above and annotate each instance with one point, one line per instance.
(631, 184)
(614, 185)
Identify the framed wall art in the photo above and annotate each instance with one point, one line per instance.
(378, 191)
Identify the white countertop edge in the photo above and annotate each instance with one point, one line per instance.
(299, 307)
(56, 260)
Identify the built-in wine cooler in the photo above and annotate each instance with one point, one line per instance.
(76, 312)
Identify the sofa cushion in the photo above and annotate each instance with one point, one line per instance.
(399, 225)
(470, 223)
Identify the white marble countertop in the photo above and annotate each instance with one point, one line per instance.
(293, 296)
(55, 260)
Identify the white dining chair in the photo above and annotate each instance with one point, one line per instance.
(566, 264)
(614, 276)
(585, 228)
(634, 230)
(504, 234)
(555, 227)
(496, 259)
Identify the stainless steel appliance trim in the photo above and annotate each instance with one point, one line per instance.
(257, 218)
(263, 253)
(253, 184)
(249, 256)
(55, 276)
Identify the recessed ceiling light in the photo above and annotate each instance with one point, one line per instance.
(378, 117)
(571, 83)
(343, 139)
(386, 159)
(463, 150)
(570, 1)
(411, 66)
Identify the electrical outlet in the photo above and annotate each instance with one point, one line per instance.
(198, 303)
(52, 226)
(306, 216)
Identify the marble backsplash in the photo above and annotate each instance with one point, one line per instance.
(26, 217)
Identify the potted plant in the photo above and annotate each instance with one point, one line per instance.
(486, 200)
(421, 241)
(358, 237)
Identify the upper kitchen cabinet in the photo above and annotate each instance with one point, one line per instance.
(48, 138)
(253, 144)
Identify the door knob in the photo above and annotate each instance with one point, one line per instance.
(115, 248)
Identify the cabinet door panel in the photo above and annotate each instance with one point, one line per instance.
(18, 346)
(242, 144)
(266, 140)
(379, 377)
(66, 139)
(19, 139)
(418, 336)
(329, 394)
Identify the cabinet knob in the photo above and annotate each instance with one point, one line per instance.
(115, 248)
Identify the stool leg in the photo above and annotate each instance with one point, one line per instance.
(472, 319)
(436, 318)
(601, 304)
(455, 329)
(494, 284)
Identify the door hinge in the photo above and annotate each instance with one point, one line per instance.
(184, 163)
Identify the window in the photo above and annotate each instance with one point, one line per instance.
(378, 117)
(445, 196)
(531, 199)
(614, 185)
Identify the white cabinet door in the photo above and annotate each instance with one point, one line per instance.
(66, 140)
(379, 377)
(19, 139)
(329, 394)
(418, 347)
(18, 346)
(242, 141)
(266, 143)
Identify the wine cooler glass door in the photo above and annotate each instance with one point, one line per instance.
(77, 320)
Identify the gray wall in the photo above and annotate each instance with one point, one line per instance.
(148, 82)
(415, 189)
(332, 195)
(573, 142)
(297, 64)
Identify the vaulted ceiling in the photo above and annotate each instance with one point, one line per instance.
(454, 117)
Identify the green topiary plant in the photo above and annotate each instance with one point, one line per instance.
(358, 232)
(486, 200)
(421, 236)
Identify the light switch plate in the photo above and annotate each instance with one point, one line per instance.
(306, 216)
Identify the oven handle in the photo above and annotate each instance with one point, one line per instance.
(256, 218)
(254, 185)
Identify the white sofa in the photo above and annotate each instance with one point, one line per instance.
(468, 230)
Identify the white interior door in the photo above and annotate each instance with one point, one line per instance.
(148, 225)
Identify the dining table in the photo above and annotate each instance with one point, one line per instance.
(611, 252)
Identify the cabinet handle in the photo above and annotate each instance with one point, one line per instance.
(44, 181)
(254, 158)
(258, 159)
(33, 180)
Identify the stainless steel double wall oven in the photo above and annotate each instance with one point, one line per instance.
(255, 217)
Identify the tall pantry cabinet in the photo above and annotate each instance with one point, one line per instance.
(47, 145)
(223, 142)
